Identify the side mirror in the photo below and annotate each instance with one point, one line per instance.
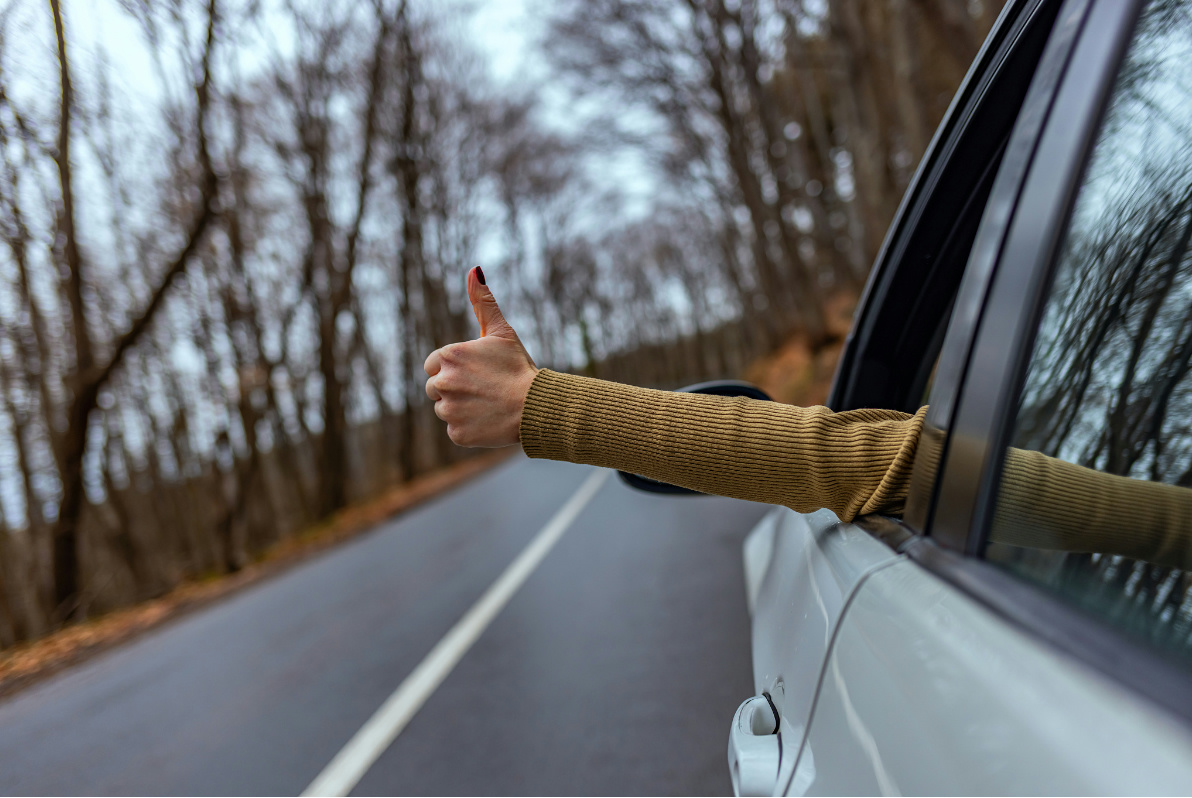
(716, 388)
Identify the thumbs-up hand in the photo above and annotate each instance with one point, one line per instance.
(479, 387)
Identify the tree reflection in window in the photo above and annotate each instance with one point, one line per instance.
(1109, 385)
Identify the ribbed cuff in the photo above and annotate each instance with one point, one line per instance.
(548, 402)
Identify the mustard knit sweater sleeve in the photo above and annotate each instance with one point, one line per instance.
(853, 463)
(805, 458)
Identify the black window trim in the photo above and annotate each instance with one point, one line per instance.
(1002, 331)
(928, 474)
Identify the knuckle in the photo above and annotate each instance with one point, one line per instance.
(432, 362)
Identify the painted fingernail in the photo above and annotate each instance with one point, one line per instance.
(480, 275)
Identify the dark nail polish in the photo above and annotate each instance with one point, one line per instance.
(480, 275)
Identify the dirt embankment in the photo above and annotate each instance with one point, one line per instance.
(796, 374)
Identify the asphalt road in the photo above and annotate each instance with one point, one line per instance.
(614, 670)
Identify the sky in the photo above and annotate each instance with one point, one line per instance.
(508, 33)
(504, 30)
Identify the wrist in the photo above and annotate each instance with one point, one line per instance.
(526, 384)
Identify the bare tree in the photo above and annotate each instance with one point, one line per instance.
(90, 376)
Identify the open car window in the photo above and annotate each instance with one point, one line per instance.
(1095, 498)
(901, 323)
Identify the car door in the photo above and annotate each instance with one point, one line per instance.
(1033, 634)
(801, 570)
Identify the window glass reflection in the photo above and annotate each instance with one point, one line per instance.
(1096, 497)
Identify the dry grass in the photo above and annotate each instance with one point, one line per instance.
(796, 375)
(28, 663)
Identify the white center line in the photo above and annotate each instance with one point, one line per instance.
(351, 763)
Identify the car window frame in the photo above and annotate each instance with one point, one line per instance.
(909, 268)
(1019, 254)
(896, 257)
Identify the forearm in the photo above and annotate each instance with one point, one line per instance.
(805, 458)
(853, 463)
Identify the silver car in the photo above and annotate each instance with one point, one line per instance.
(1035, 290)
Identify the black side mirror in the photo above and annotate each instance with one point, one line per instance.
(716, 388)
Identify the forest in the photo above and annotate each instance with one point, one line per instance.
(232, 230)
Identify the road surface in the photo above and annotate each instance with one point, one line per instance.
(615, 668)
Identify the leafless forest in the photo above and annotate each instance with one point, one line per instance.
(216, 296)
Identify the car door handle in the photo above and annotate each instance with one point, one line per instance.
(754, 747)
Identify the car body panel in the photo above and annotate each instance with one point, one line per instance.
(927, 691)
(814, 562)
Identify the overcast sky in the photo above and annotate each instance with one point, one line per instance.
(506, 30)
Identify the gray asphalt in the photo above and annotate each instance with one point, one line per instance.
(615, 669)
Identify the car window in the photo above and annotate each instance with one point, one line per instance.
(1095, 499)
(900, 328)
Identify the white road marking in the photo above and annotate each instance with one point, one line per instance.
(351, 763)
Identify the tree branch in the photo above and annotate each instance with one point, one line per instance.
(206, 213)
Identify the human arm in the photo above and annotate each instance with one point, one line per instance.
(854, 462)
(491, 394)
(805, 458)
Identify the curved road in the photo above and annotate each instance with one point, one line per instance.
(615, 669)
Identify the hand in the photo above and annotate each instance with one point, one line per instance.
(479, 387)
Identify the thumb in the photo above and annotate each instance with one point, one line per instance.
(484, 305)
